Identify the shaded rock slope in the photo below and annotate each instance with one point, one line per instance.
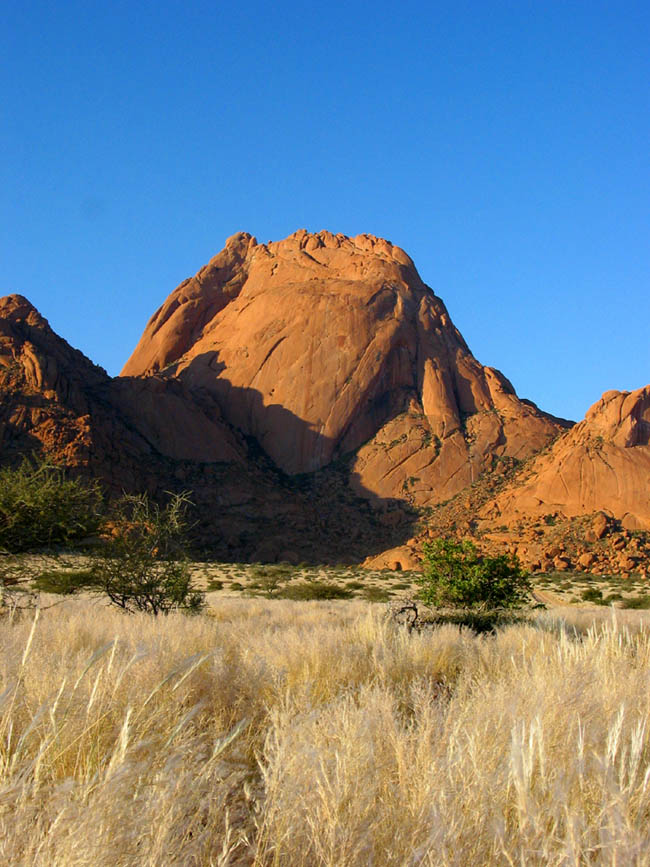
(153, 434)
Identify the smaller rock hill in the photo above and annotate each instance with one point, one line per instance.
(602, 463)
(582, 503)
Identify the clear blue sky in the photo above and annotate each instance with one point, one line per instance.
(504, 145)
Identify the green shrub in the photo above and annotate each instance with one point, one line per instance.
(40, 507)
(376, 594)
(593, 594)
(62, 582)
(455, 576)
(269, 579)
(641, 602)
(314, 590)
(479, 621)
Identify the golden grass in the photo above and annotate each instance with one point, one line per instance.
(280, 733)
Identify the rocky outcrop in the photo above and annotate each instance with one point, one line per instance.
(154, 434)
(321, 346)
(57, 401)
(602, 464)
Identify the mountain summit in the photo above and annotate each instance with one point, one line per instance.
(322, 345)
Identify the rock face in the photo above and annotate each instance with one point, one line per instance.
(603, 464)
(55, 399)
(154, 434)
(321, 346)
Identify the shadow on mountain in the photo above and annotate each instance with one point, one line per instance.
(255, 511)
(158, 437)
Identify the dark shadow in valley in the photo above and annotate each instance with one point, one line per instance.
(246, 508)
(256, 511)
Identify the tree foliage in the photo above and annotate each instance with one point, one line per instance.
(456, 576)
(143, 565)
(41, 507)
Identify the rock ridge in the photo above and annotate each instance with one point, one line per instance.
(313, 344)
(602, 464)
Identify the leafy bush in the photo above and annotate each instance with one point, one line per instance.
(40, 507)
(144, 565)
(269, 579)
(314, 590)
(593, 594)
(479, 621)
(376, 594)
(455, 576)
(641, 602)
(63, 582)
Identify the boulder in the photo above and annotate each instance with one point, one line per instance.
(398, 559)
(599, 525)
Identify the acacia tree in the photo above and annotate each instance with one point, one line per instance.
(143, 565)
(42, 510)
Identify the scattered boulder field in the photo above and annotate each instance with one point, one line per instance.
(316, 398)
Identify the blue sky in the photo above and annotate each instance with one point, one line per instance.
(504, 145)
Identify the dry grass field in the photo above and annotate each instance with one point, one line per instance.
(271, 732)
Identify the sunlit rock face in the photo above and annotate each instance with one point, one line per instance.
(603, 463)
(326, 356)
(320, 346)
(55, 400)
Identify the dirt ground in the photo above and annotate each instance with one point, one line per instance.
(376, 585)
